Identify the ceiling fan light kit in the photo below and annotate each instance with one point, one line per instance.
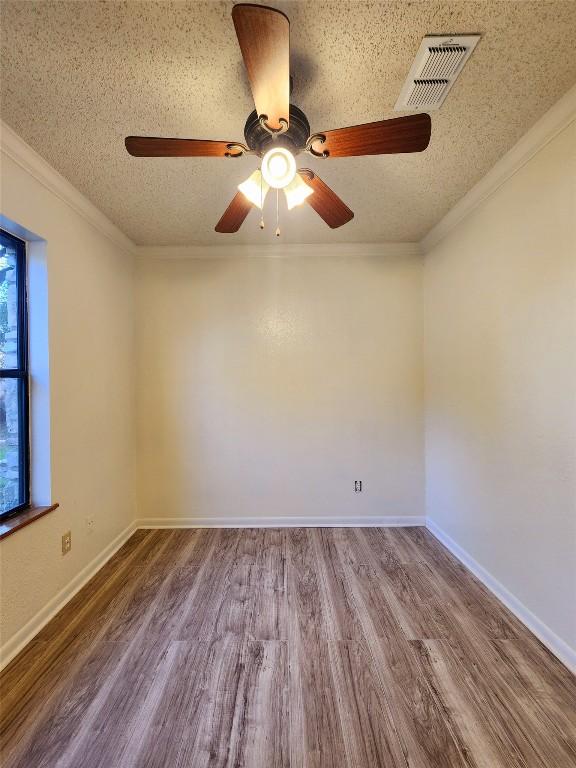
(278, 167)
(296, 192)
(255, 189)
(278, 131)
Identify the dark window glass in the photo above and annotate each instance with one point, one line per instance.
(14, 430)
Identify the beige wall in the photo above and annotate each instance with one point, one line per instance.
(500, 349)
(90, 283)
(267, 386)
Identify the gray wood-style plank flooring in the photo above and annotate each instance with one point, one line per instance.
(265, 648)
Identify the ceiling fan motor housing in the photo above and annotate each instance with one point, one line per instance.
(260, 140)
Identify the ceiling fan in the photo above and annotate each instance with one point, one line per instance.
(276, 130)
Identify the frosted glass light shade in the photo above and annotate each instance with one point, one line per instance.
(296, 192)
(255, 189)
(278, 167)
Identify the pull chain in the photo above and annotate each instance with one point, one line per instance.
(261, 203)
(277, 214)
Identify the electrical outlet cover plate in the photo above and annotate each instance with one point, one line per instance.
(66, 542)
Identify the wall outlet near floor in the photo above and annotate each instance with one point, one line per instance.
(90, 525)
(357, 486)
(66, 542)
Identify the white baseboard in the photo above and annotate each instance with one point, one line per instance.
(16, 643)
(279, 522)
(555, 644)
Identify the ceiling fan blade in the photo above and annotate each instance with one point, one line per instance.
(401, 134)
(264, 37)
(233, 217)
(149, 146)
(325, 202)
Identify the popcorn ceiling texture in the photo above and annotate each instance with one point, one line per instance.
(77, 77)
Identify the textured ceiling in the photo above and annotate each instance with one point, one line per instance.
(77, 77)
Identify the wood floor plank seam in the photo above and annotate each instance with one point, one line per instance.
(75, 754)
(427, 738)
(90, 596)
(76, 661)
(286, 648)
(61, 647)
(328, 559)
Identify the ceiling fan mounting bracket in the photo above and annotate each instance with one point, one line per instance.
(310, 149)
(306, 172)
(263, 119)
(259, 137)
(236, 149)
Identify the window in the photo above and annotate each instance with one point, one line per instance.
(14, 428)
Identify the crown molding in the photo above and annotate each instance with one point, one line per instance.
(279, 250)
(558, 117)
(14, 147)
(27, 158)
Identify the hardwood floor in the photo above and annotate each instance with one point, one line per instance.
(308, 648)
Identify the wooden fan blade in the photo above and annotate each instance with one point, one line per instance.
(149, 146)
(325, 202)
(264, 37)
(233, 217)
(401, 134)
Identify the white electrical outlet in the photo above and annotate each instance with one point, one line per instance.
(90, 525)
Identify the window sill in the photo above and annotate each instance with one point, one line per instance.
(12, 524)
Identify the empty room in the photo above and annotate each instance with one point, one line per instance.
(287, 384)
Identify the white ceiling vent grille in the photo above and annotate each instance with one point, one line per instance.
(426, 92)
(438, 63)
